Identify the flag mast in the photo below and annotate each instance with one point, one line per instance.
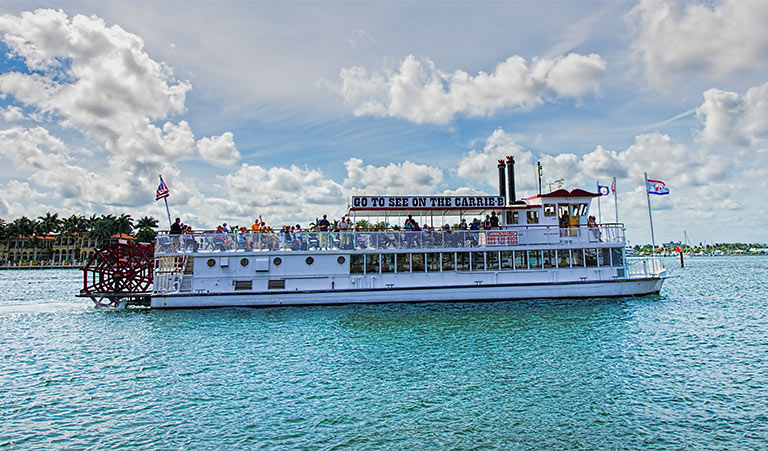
(615, 199)
(599, 211)
(165, 198)
(650, 218)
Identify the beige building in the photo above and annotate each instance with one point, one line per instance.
(49, 250)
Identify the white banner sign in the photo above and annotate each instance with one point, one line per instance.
(427, 201)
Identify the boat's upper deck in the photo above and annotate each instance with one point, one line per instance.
(521, 237)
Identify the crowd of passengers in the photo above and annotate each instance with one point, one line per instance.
(324, 235)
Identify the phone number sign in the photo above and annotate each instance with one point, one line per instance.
(501, 237)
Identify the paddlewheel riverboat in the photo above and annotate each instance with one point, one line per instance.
(531, 254)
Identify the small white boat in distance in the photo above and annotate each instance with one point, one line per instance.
(545, 246)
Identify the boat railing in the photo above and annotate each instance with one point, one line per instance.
(389, 239)
(644, 267)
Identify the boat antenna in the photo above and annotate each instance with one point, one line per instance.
(538, 173)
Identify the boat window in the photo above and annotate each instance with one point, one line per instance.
(478, 261)
(604, 257)
(590, 257)
(417, 262)
(549, 210)
(563, 258)
(616, 258)
(371, 263)
(578, 257)
(513, 217)
(533, 216)
(492, 261)
(462, 261)
(534, 259)
(356, 263)
(583, 209)
(448, 261)
(387, 262)
(506, 260)
(563, 209)
(521, 259)
(403, 262)
(548, 258)
(433, 261)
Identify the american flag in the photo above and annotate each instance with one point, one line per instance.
(162, 191)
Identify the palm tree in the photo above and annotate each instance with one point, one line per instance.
(49, 223)
(24, 226)
(147, 222)
(103, 228)
(3, 230)
(124, 224)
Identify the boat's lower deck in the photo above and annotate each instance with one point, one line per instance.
(446, 293)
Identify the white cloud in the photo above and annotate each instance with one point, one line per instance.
(11, 113)
(419, 92)
(674, 38)
(395, 178)
(731, 118)
(219, 150)
(99, 80)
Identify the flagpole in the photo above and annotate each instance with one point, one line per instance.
(599, 211)
(166, 206)
(650, 218)
(615, 200)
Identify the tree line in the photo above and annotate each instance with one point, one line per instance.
(100, 227)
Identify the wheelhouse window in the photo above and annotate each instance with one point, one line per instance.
(462, 261)
(403, 262)
(448, 261)
(513, 217)
(550, 210)
(533, 216)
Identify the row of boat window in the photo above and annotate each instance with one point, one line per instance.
(485, 261)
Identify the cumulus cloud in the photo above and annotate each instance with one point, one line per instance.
(11, 113)
(395, 178)
(673, 38)
(731, 118)
(99, 80)
(420, 92)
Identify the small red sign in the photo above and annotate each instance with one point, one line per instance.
(501, 237)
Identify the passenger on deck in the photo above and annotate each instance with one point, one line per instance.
(564, 223)
(494, 220)
(323, 225)
(256, 226)
(487, 223)
(593, 227)
(463, 225)
(190, 243)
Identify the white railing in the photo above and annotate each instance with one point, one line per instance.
(172, 283)
(642, 267)
(389, 239)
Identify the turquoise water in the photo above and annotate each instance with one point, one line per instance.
(688, 368)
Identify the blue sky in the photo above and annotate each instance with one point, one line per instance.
(286, 109)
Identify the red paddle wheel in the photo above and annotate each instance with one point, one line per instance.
(119, 275)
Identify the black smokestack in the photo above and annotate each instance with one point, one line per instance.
(502, 184)
(511, 179)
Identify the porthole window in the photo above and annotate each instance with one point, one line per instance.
(310, 260)
(211, 262)
(277, 261)
(341, 259)
(244, 262)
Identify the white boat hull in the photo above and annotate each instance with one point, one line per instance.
(585, 289)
